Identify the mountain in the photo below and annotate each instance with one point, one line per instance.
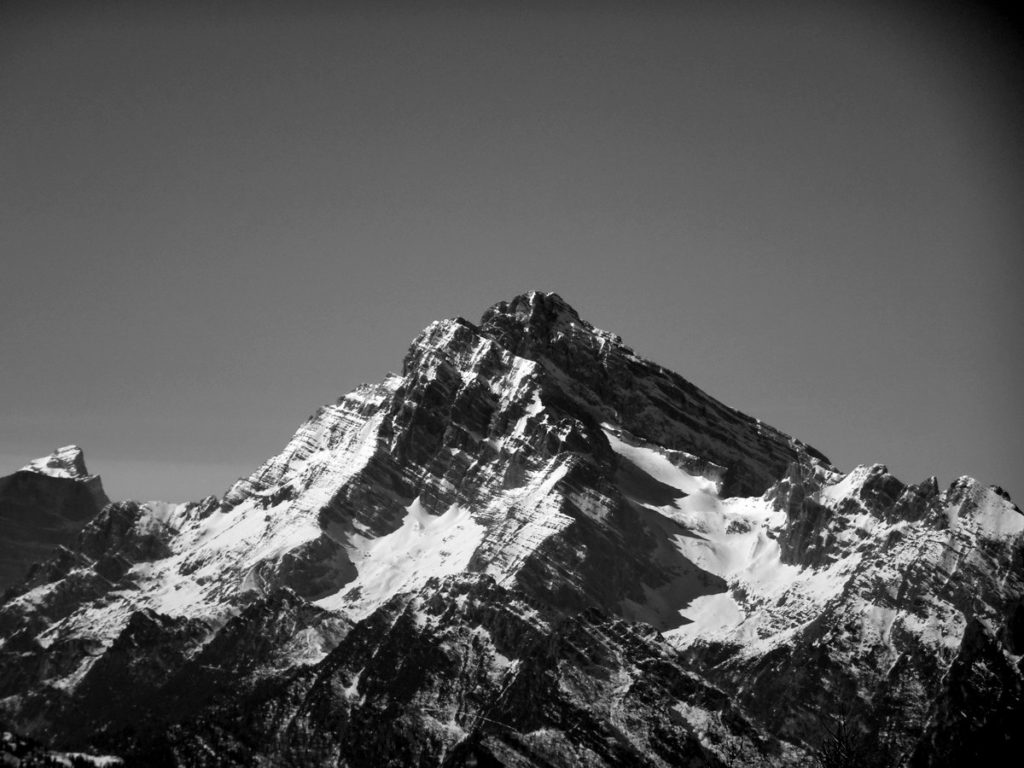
(44, 505)
(532, 547)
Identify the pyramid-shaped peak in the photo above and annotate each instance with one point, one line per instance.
(68, 462)
(531, 324)
(535, 309)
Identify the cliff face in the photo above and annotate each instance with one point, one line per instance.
(42, 506)
(532, 547)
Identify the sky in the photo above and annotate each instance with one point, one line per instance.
(215, 217)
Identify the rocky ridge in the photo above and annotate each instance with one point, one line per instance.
(531, 547)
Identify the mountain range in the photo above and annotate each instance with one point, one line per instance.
(530, 547)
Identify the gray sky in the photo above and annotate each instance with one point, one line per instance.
(213, 220)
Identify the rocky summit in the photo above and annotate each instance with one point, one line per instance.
(532, 547)
(42, 506)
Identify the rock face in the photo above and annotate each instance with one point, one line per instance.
(44, 505)
(531, 548)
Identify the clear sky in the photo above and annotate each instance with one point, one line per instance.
(215, 217)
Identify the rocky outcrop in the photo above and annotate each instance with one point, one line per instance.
(907, 605)
(605, 377)
(18, 750)
(465, 672)
(42, 506)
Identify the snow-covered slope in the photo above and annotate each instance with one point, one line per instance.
(526, 478)
(67, 462)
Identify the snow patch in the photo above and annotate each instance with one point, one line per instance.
(657, 465)
(423, 547)
(65, 462)
(996, 517)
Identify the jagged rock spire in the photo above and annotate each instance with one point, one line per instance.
(534, 309)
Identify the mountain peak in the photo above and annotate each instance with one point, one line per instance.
(534, 305)
(534, 324)
(535, 311)
(530, 500)
(67, 462)
(42, 506)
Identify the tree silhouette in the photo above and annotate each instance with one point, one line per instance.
(846, 743)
